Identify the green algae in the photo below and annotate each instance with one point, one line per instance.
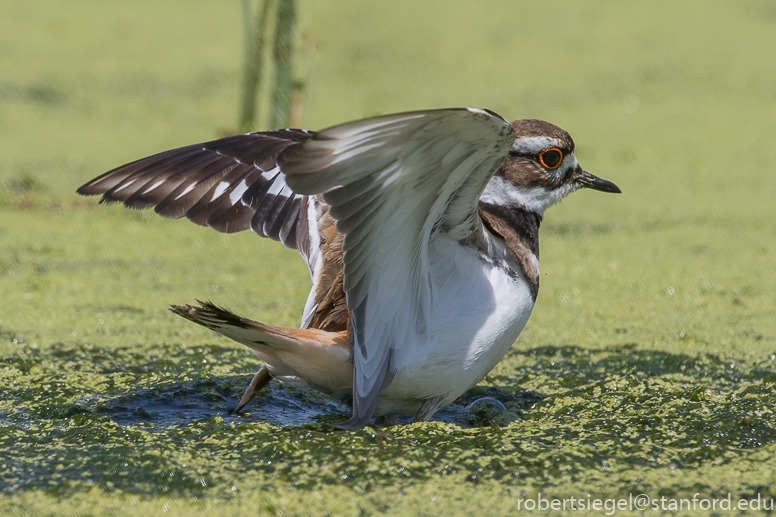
(682, 424)
(647, 367)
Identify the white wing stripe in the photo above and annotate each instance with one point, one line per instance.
(188, 189)
(125, 185)
(238, 192)
(220, 189)
(154, 186)
(268, 175)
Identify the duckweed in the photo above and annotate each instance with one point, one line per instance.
(647, 366)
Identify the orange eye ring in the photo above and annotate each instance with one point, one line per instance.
(554, 157)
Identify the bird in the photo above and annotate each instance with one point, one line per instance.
(419, 229)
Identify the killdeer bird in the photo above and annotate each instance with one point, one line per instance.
(420, 231)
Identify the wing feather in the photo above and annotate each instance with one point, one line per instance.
(392, 182)
(231, 184)
(234, 184)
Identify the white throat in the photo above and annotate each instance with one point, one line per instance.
(501, 192)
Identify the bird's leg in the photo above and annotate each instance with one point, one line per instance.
(385, 420)
(427, 409)
(258, 382)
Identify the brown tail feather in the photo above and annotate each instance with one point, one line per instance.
(251, 333)
(318, 357)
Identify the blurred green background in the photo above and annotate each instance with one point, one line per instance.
(652, 344)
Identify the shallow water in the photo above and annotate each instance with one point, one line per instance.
(283, 405)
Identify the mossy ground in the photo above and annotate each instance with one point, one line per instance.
(648, 365)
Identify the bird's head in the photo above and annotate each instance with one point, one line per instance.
(541, 169)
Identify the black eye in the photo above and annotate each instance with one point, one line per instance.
(551, 158)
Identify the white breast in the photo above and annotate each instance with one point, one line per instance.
(480, 306)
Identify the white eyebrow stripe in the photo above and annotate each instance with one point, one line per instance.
(535, 144)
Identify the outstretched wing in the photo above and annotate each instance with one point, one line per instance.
(230, 184)
(233, 184)
(392, 182)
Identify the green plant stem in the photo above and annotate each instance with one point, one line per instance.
(254, 61)
(284, 55)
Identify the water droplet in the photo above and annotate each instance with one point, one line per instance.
(484, 403)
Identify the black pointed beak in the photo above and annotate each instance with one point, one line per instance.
(587, 180)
